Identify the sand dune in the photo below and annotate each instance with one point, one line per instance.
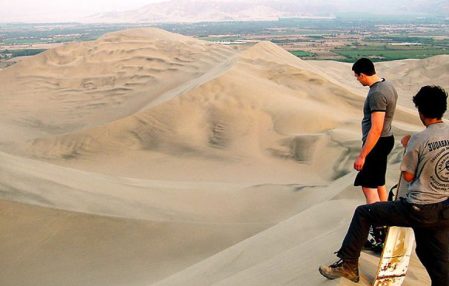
(115, 75)
(167, 160)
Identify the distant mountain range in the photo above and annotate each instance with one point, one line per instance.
(251, 10)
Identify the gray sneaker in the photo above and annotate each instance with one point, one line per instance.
(347, 268)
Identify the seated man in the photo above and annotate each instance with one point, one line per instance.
(426, 206)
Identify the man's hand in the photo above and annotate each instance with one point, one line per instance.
(404, 140)
(359, 162)
(377, 123)
(408, 176)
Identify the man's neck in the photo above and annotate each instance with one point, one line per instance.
(373, 79)
(430, 121)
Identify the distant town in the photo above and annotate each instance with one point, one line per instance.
(340, 38)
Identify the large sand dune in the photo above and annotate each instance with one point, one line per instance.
(147, 157)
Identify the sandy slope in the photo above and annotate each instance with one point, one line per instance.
(44, 246)
(288, 253)
(147, 155)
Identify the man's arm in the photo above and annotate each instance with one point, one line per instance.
(405, 139)
(407, 175)
(377, 125)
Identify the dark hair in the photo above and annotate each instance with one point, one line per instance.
(431, 101)
(364, 66)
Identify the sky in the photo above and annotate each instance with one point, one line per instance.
(39, 11)
(61, 10)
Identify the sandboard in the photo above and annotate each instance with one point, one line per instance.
(397, 250)
(395, 257)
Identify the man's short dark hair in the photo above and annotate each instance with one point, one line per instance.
(364, 66)
(431, 101)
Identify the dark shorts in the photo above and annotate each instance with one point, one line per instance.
(373, 173)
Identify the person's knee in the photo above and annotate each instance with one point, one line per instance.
(361, 210)
(375, 214)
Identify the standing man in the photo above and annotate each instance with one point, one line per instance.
(426, 207)
(378, 140)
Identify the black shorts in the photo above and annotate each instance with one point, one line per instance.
(373, 173)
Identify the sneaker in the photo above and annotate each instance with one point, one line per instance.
(377, 248)
(347, 268)
(369, 244)
(379, 234)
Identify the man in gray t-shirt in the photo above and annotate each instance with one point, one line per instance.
(427, 160)
(382, 97)
(377, 137)
(426, 207)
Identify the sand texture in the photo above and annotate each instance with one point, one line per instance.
(151, 158)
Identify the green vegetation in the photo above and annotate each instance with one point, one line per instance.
(316, 37)
(423, 40)
(220, 39)
(8, 54)
(302, 54)
(389, 52)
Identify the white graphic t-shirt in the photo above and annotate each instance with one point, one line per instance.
(427, 157)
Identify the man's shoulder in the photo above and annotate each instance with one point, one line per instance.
(387, 85)
(432, 133)
(383, 87)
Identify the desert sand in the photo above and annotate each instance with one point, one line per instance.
(151, 158)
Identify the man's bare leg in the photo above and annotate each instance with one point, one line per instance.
(382, 193)
(371, 195)
(375, 195)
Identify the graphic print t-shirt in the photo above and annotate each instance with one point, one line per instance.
(427, 157)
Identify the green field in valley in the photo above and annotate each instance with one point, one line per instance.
(389, 52)
(302, 54)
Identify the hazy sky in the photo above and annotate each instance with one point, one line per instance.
(61, 10)
(75, 10)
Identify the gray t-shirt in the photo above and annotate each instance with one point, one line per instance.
(382, 96)
(427, 157)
